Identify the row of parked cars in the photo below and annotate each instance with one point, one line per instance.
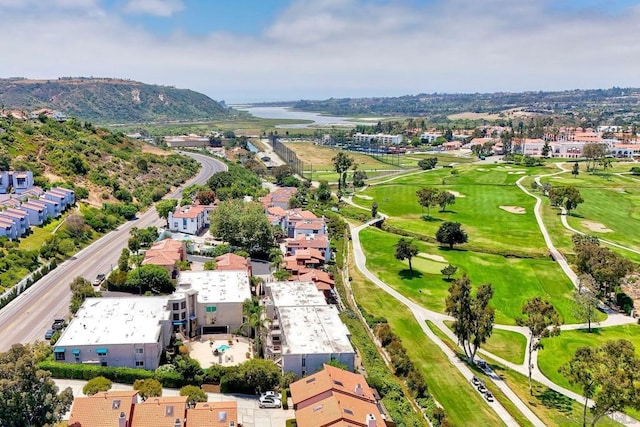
(58, 324)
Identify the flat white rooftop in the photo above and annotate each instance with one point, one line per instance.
(131, 320)
(295, 294)
(217, 286)
(313, 330)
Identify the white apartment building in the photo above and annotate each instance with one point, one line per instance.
(381, 138)
(130, 332)
(208, 302)
(189, 219)
(305, 332)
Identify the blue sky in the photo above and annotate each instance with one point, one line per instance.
(248, 50)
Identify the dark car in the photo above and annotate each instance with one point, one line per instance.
(49, 334)
(57, 324)
(488, 396)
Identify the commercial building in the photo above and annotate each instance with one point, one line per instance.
(380, 138)
(130, 332)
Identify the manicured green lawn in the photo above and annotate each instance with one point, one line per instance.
(514, 279)
(39, 234)
(482, 191)
(508, 345)
(463, 405)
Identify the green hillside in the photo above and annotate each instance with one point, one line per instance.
(109, 100)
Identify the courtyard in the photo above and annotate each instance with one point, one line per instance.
(220, 349)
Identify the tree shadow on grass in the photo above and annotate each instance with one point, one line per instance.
(575, 215)
(428, 218)
(554, 400)
(407, 274)
(454, 249)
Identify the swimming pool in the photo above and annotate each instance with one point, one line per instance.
(223, 347)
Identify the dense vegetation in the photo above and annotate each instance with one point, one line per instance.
(110, 100)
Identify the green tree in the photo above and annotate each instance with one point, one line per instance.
(153, 278)
(445, 198)
(323, 193)
(406, 249)
(28, 394)
(473, 315)
(542, 320)
(374, 209)
(123, 260)
(427, 197)
(337, 364)
(546, 149)
(609, 374)
(210, 265)
(342, 162)
(449, 271)
(96, 385)
(81, 289)
(148, 387)
(194, 394)
(593, 152)
(281, 173)
(243, 225)
(585, 307)
(206, 197)
(568, 197)
(429, 163)
(451, 233)
(576, 169)
(163, 207)
(257, 322)
(189, 369)
(251, 377)
(358, 178)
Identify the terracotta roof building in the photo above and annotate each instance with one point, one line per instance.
(335, 397)
(160, 412)
(233, 262)
(166, 253)
(213, 414)
(105, 409)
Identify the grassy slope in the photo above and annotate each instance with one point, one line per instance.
(463, 405)
(514, 280)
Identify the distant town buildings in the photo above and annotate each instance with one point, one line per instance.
(379, 138)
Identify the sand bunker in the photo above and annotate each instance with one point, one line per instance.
(514, 209)
(596, 226)
(362, 196)
(432, 257)
(516, 173)
(482, 169)
(455, 193)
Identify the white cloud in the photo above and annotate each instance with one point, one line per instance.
(323, 48)
(164, 8)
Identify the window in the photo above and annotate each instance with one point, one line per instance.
(60, 355)
(139, 363)
(101, 352)
(140, 350)
(183, 305)
(176, 306)
(210, 310)
(183, 315)
(304, 362)
(176, 316)
(175, 225)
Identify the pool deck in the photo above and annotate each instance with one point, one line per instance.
(203, 350)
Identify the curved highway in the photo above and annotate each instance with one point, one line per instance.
(27, 317)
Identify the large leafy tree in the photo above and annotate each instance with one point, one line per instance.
(406, 249)
(194, 394)
(251, 377)
(568, 197)
(445, 198)
(474, 316)
(148, 387)
(585, 301)
(608, 374)
(29, 396)
(451, 233)
(593, 153)
(542, 320)
(96, 385)
(243, 225)
(605, 266)
(163, 207)
(341, 163)
(153, 278)
(427, 197)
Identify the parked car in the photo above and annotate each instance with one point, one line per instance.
(269, 402)
(98, 280)
(482, 389)
(49, 334)
(57, 324)
(272, 394)
(475, 381)
(488, 396)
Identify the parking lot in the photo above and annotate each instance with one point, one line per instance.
(249, 414)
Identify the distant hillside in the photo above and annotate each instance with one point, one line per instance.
(103, 100)
(602, 105)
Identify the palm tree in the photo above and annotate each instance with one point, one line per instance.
(258, 323)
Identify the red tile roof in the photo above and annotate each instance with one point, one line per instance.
(102, 409)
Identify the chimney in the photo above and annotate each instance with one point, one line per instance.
(371, 420)
(359, 391)
(177, 423)
(122, 420)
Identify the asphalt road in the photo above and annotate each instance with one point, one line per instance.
(29, 316)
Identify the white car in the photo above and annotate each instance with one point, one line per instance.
(270, 402)
(272, 394)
